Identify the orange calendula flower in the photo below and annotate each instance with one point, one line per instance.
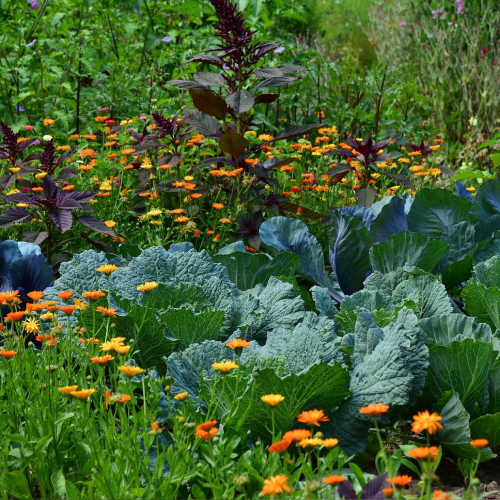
(280, 446)
(68, 389)
(68, 310)
(128, 151)
(14, 316)
(426, 421)
(101, 360)
(83, 394)
(107, 312)
(207, 430)
(218, 206)
(65, 295)
(312, 417)
(275, 485)
(147, 287)
(297, 435)
(35, 296)
(440, 495)
(94, 295)
(333, 480)
(48, 122)
(182, 218)
(43, 337)
(155, 428)
(238, 345)
(400, 481)
(423, 453)
(374, 410)
(479, 443)
(88, 341)
(9, 298)
(388, 492)
(181, 396)
(131, 371)
(124, 399)
(8, 354)
(225, 221)
(272, 400)
(107, 269)
(225, 367)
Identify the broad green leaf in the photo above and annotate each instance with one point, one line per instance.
(488, 273)
(246, 270)
(190, 328)
(320, 387)
(487, 427)
(435, 211)
(443, 329)
(18, 485)
(487, 201)
(407, 248)
(483, 303)
(461, 367)
(455, 434)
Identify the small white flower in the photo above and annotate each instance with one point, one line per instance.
(47, 137)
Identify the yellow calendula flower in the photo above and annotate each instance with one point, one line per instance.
(31, 325)
(83, 394)
(68, 389)
(131, 371)
(224, 367)
(272, 400)
(310, 443)
(181, 396)
(110, 223)
(147, 287)
(107, 269)
(154, 213)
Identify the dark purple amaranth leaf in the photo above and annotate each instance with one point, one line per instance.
(66, 155)
(233, 143)
(276, 82)
(241, 101)
(305, 213)
(13, 215)
(292, 68)
(202, 123)
(210, 79)
(100, 245)
(373, 489)
(29, 199)
(366, 196)
(9, 139)
(61, 219)
(297, 130)
(66, 173)
(209, 103)
(423, 149)
(96, 225)
(266, 98)
(276, 162)
(269, 72)
(203, 58)
(188, 84)
(401, 179)
(346, 491)
(50, 189)
(7, 180)
(36, 237)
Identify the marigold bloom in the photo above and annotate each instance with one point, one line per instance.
(43, 336)
(426, 421)
(122, 349)
(388, 492)
(155, 428)
(94, 295)
(218, 206)
(224, 366)
(9, 297)
(280, 446)
(68, 389)
(68, 310)
(272, 400)
(400, 481)
(35, 296)
(374, 410)
(265, 137)
(48, 122)
(225, 221)
(110, 223)
(52, 341)
(238, 344)
(131, 371)
(333, 480)
(154, 213)
(312, 417)
(479, 443)
(275, 485)
(124, 399)
(101, 360)
(14, 316)
(83, 394)
(440, 495)
(31, 325)
(330, 442)
(181, 396)
(37, 307)
(310, 443)
(8, 354)
(147, 287)
(182, 218)
(107, 312)
(423, 453)
(107, 269)
(297, 435)
(65, 295)
(88, 341)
